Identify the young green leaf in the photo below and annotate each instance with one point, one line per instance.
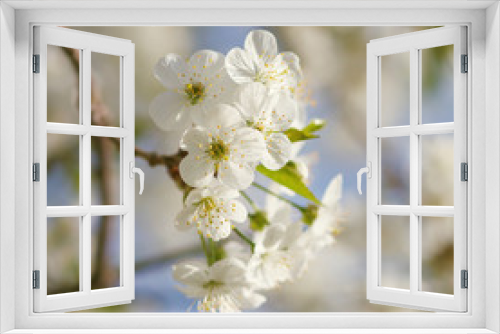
(289, 177)
(307, 132)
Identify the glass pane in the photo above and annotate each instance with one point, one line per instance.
(105, 171)
(437, 254)
(105, 89)
(395, 249)
(63, 170)
(395, 170)
(437, 84)
(63, 82)
(63, 255)
(105, 252)
(395, 89)
(437, 169)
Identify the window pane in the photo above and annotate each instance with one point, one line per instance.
(437, 84)
(63, 170)
(437, 169)
(106, 89)
(395, 89)
(63, 255)
(437, 254)
(395, 249)
(62, 86)
(105, 252)
(105, 171)
(395, 170)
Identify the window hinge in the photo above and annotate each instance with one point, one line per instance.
(36, 63)
(465, 279)
(36, 279)
(464, 171)
(36, 172)
(465, 64)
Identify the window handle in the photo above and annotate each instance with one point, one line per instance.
(141, 175)
(368, 171)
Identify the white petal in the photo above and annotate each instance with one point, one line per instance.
(252, 100)
(235, 211)
(270, 238)
(168, 70)
(333, 192)
(286, 109)
(194, 196)
(229, 270)
(248, 145)
(251, 299)
(293, 64)
(223, 116)
(206, 62)
(241, 66)
(235, 175)
(167, 111)
(261, 43)
(191, 272)
(196, 173)
(278, 151)
(183, 221)
(224, 192)
(195, 139)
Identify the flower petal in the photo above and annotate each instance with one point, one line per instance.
(168, 70)
(333, 192)
(250, 299)
(278, 151)
(254, 98)
(286, 109)
(238, 176)
(248, 145)
(270, 238)
(196, 172)
(293, 63)
(261, 43)
(240, 66)
(167, 111)
(235, 211)
(192, 272)
(223, 116)
(183, 220)
(206, 63)
(195, 140)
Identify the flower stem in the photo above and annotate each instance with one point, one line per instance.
(205, 250)
(250, 201)
(270, 192)
(244, 237)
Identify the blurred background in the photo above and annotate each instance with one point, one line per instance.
(334, 63)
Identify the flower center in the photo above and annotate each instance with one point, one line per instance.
(218, 150)
(208, 204)
(210, 285)
(195, 92)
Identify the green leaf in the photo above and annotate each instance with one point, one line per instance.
(314, 125)
(307, 132)
(289, 177)
(298, 135)
(258, 220)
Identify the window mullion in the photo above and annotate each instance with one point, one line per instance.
(85, 165)
(414, 170)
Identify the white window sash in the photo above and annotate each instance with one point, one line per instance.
(86, 298)
(412, 43)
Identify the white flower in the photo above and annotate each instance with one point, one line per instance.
(222, 287)
(194, 86)
(270, 115)
(327, 224)
(211, 210)
(223, 149)
(260, 62)
(274, 259)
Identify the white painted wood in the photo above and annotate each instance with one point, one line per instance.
(179, 14)
(413, 43)
(7, 167)
(86, 298)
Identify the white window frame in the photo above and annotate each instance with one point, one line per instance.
(87, 44)
(483, 21)
(412, 44)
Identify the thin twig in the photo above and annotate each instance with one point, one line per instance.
(270, 192)
(244, 238)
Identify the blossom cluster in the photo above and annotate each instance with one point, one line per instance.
(237, 113)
